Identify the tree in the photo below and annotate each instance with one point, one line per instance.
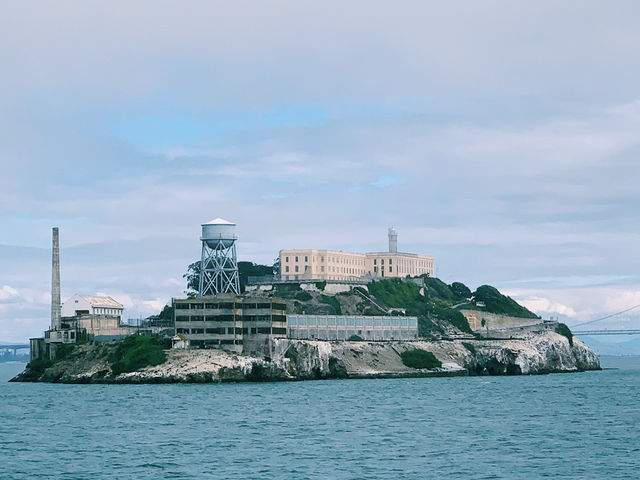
(193, 279)
(250, 269)
(461, 290)
(245, 270)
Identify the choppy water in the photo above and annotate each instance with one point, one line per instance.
(557, 426)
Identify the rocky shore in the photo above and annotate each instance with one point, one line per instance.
(534, 351)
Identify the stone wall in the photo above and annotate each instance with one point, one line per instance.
(485, 321)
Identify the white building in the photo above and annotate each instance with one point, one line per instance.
(314, 264)
(91, 305)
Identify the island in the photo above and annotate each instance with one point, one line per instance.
(458, 333)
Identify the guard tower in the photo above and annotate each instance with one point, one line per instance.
(219, 265)
(393, 240)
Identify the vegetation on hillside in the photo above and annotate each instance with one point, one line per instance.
(565, 331)
(428, 303)
(420, 359)
(495, 302)
(136, 352)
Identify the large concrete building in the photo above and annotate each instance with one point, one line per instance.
(229, 321)
(315, 264)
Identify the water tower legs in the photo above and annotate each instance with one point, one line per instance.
(219, 270)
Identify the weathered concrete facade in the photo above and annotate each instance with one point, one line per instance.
(229, 321)
(484, 321)
(345, 327)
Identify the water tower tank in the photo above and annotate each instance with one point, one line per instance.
(219, 234)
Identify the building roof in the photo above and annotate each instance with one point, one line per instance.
(219, 221)
(96, 301)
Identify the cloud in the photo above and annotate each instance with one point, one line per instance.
(8, 294)
(484, 134)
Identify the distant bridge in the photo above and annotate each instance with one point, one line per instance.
(15, 347)
(606, 332)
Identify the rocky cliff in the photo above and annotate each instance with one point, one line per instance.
(534, 351)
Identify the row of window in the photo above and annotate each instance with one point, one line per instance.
(347, 260)
(232, 331)
(228, 306)
(231, 318)
(106, 311)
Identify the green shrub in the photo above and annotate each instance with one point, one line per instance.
(565, 331)
(460, 290)
(64, 350)
(303, 296)
(454, 317)
(437, 288)
(37, 367)
(419, 359)
(321, 285)
(495, 302)
(136, 352)
(333, 302)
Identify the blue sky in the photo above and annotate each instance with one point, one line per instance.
(500, 137)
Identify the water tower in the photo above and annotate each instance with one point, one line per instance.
(219, 265)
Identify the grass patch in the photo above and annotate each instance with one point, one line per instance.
(136, 352)
(420, 359)
(393, 292)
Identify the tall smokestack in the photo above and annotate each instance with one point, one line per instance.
(393, 240)
(55, 282)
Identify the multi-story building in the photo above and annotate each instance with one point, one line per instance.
(314, 264)
(229, 321)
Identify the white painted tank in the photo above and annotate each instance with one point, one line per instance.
(219, 233)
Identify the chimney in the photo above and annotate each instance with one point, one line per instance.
(393, 240)
(55, 282)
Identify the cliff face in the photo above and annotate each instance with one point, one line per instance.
(533, 353)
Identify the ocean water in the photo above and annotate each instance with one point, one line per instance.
(582, 426)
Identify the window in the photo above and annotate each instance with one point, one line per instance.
(322, 259)
(306, 259)
(322, 269)
(375, 261)
(296, 259)
(286, 269)
(375, 269)
(382, 261)
(296, 268)
(390, 261)
(390, 268)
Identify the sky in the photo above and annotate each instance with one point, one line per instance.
(501, 137)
